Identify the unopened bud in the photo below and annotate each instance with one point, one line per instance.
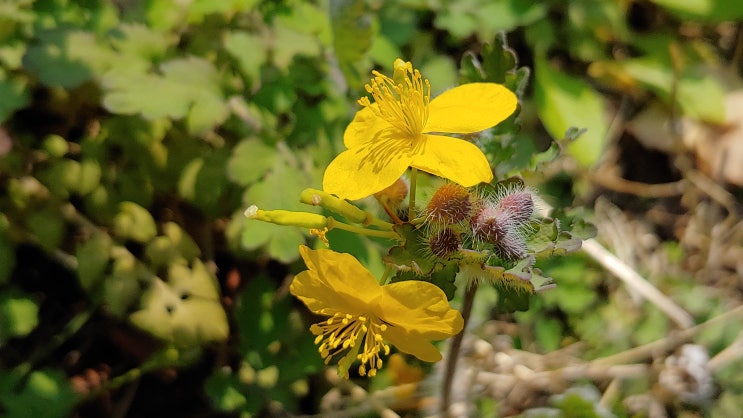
(285, 217)
(449, 205)
(445, 242)
(393, 196)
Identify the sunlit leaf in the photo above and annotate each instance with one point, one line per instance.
(704, 10)
(238, 43)
(185, 310)
(134, 222)
(187, 87)
(564, 101)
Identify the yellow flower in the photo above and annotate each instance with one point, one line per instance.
(364, 316)
(397, 131)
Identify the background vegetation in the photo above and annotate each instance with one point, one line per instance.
(133, 134)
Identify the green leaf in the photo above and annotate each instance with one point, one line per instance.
(175, 244)
(280, 189)
(250, 160)
(134, 222)
(237, 43)
(712, 11)
(413, 254)
(14, 95)
(203, 181)
(138, 40)
(548, 332)
(67, 58)
(289, 42)
(48, 226)
(185, 311)
(699, 94)
(18, 315)
(352, 36)
(92, 259)
(45, 393)
(188, 87)
(123, 287)
(564, 101)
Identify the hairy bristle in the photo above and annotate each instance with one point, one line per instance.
(519, 204)
(449, 205)
(445, 242)
(491, 224)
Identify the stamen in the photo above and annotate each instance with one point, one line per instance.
(403, 102)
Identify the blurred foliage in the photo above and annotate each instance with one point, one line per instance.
(134, 133)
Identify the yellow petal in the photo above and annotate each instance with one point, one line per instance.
(335, 282)
(470, 108)
(421, 308)
(367, 169)
(364, 126)
(412, 344)
(454, 159)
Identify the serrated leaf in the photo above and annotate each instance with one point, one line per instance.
(186, 310)
(188, 87)
(564, 101)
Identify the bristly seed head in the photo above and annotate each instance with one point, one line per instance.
(519, 204)
(491, 224)
(444, 243)
(511, 247)
(449, 205)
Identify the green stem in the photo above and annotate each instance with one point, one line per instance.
(333, 224)
(385, 278)
(411, 202)
(169, 357)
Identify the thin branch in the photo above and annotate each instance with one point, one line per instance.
(454, 348)
(633, 279)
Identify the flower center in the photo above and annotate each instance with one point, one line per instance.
(341, 332)
(403, 100)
